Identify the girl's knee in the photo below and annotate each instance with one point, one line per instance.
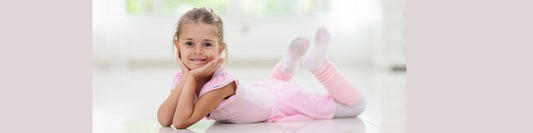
(344, 110)
(350, 100)
(361, 104)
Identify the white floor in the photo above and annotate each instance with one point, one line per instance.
(126, 101)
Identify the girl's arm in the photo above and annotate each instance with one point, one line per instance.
(188, 112)
(167, 109)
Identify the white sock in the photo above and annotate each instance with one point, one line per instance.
(315, 59)
(297, 49)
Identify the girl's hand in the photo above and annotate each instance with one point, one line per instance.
(206, 70)
(184, 69)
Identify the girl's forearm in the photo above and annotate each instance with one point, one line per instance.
(185, 104)
(166, 111)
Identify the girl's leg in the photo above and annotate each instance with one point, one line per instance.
(350, 111)
(340, 88)
(285, 68)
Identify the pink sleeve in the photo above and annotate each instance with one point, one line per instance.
(219, 80)
(176, 80)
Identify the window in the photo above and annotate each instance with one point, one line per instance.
(241, 7)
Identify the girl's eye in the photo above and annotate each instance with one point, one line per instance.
(208, 44)
(188, 43)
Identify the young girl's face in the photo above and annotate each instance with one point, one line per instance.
(198, 44)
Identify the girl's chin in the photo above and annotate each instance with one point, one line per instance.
(194, 66)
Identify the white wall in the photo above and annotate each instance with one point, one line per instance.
(362, 32)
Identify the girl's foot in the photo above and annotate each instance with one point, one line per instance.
(315, 59)
(297, 49)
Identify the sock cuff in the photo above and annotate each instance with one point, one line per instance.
(323, 74)
(278, 73)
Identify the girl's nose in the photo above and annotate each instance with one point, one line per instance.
(197, 50)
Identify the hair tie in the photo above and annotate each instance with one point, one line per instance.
(212, 13)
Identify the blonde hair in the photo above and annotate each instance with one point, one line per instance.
(201, 15)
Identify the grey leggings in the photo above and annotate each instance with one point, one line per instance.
(350, 111)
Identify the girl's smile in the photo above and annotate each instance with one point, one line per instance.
(199, 61)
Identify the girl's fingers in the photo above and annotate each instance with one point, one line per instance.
(182, 66)
(219, 63)
(180, 62)
(213, 65)
(210, 67)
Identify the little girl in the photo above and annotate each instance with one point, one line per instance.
(205, 89)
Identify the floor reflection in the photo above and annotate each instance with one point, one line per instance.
(172, 130)
(345, 125)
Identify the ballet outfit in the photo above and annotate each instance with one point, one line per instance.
(275, 99)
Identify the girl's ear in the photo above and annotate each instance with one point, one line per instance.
(222, 48)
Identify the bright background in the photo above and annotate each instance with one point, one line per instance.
(139, 32)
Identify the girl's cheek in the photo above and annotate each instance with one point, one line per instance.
(215, 53)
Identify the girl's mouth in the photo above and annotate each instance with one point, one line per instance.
(198, 60)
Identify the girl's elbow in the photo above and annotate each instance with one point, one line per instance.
(180, 125)
(164, 121)
(165, 124)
